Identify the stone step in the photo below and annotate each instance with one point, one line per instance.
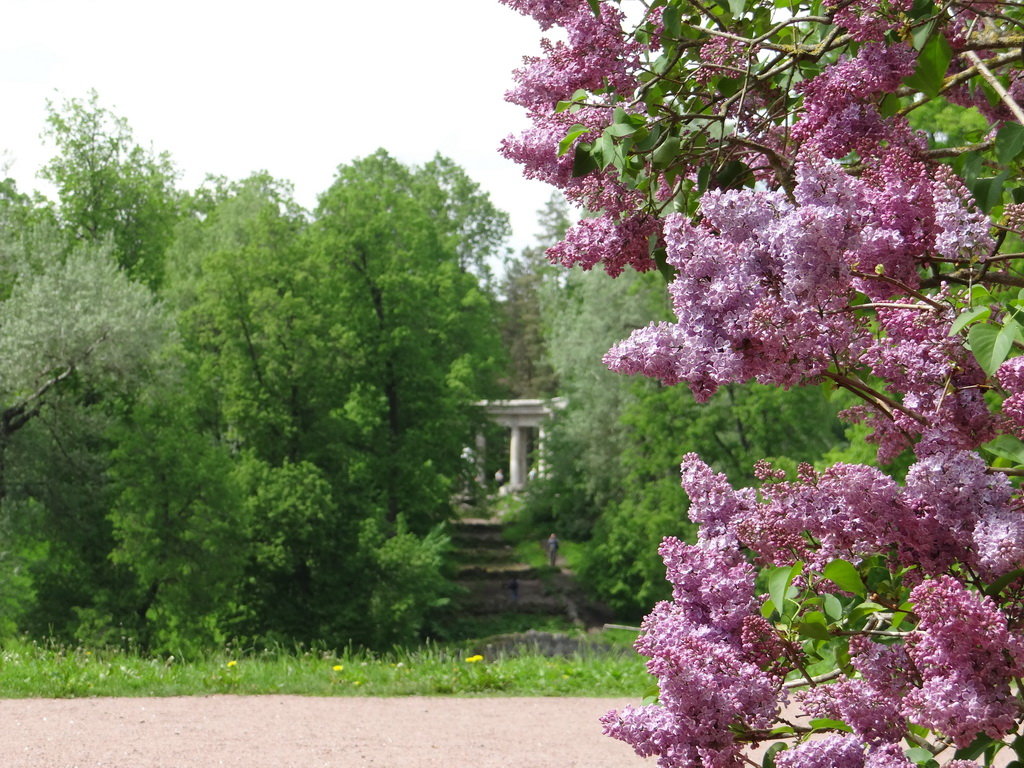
(482, 597)
(496, 571)
(486, 555)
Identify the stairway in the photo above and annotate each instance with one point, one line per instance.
(488, 566)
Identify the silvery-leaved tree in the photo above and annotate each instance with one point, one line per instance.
(771, 159)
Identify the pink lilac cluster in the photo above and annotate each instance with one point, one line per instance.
(950, 509)
(965, 513)
(844, 751)
(839, 113)
(761, 287)
(868, 19)
(963, 232)
(941, 383)
(1010, 376)
(596, 56)
(964, 95)
(710, 686)
(966, 657)
(870, 704)
(547, 12)
(721, 56)
(612, 243)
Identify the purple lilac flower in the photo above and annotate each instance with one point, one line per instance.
(951, 492)
(614, 244)
(760, 292)
(870, 704)
(546, 12)
(708, 682)
(966, 656)
(1010, 376)
(831, 752)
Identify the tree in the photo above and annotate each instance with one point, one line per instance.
(762, 160)
(522, 329)
(337, 361)
(178, 525)
(419, 332)
(78, 339)
(71, 322)
(110, 187)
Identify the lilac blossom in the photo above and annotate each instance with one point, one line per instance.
(758, 294)
(547, 12)
(831, 752)
(708, 682)
(593, 58)
(838, 115)
(966, 656)
(614, 244)
(1010, 376)
(870, 704)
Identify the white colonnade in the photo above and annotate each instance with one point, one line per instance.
(520, 416)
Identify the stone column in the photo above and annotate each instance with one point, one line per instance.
(517, 459)
(481, 459)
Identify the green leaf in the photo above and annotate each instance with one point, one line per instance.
(932, 64)
(666, 154)
(968, 316)
(862, 611)
(768, 761)
(833, 608)
(814, 626)
(1009, 142)
(918, 755)
(990, 346)
(845, 576)
(1006, 446)
(620, 129)
(670, 18)
(574, 133)
(981, 295)
(988, 191)
(826, 724)
(649, 141)
(779, 580)
(737, 7)
(923, 34)
(732, 174)
(890, 105)
(583, 161)
(975, 748)
(997, 586)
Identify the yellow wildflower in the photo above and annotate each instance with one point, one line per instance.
(232, 663)
(337, 667)
(474, 659)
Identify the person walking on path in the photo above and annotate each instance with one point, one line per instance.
(552, 546)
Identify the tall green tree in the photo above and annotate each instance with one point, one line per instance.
(78, 339)
(522, 328)
(419, 329)
(110, 187)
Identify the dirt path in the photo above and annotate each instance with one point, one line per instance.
(300, 732)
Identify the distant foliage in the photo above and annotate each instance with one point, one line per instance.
(225, 418)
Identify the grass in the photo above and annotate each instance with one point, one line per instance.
(29, 669)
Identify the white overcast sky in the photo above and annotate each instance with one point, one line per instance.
(294, 87)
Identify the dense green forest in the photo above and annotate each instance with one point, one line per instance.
(225, 418)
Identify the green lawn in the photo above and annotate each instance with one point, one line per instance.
(40, 670)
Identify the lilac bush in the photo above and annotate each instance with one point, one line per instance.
(770, 159)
